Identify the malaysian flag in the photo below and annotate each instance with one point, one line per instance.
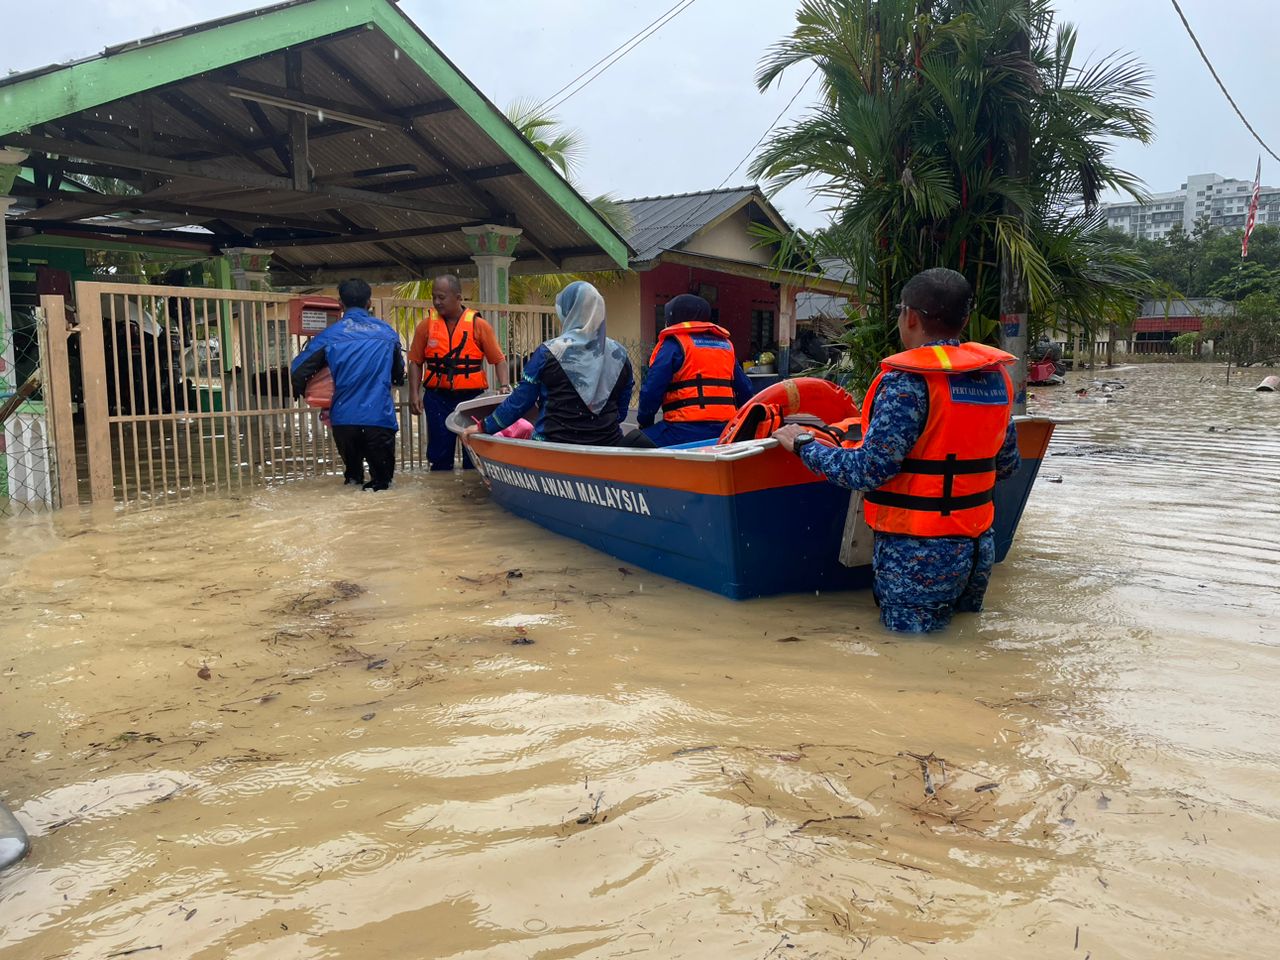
(1253, 210)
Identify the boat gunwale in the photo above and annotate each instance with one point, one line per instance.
(710, 454)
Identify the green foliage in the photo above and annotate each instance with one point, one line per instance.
(912, 142)
(563, 147)
(1186, 344)
(1206, 262)
(1251, 335)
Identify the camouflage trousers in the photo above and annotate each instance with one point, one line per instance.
(921, 581)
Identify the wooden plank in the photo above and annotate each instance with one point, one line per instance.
(155, 290)
(94, 380)
(58, 398)
(857, 538)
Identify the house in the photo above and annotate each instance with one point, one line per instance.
(1159, 321)
(706, 243)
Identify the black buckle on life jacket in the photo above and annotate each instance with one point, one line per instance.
(453, 364)
(948, 468)
(701, 400)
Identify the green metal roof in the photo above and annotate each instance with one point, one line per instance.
(363, 52)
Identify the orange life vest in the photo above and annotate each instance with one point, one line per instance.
(453, 363)
(947, 479)
(702, 389)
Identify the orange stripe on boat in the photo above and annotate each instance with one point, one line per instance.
(772, 468)
(1033, 438)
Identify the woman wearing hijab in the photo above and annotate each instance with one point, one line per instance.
(693, 377)
(581, 380)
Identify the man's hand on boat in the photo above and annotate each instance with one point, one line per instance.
(473, 428)
(786, 436)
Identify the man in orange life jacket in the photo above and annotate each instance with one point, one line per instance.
(938, 433)
(447, 358)
(693, 377)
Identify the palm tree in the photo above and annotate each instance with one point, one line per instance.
(912, 142)
(563, 147)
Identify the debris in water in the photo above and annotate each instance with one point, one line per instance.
(625, 572)
(685, 751)
(984, 787)
(521, 641)
(376, 664)
(368, 716)
(1057, 479)
(204, 673)
(1103, 801)
(790, 639)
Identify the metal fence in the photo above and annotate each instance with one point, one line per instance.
(158, 394)
(28, 465)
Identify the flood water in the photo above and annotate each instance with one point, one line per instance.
(311, 722)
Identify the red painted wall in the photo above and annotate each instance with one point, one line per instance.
(735, 298)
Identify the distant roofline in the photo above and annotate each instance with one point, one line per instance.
(752, 187)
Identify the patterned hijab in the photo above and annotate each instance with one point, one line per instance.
(590, 359)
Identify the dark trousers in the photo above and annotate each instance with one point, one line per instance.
(441, 442)
(921, 581)
(375, 444)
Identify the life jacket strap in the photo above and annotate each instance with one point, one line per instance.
(944, 505)
(950, 467)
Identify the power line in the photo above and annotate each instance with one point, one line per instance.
(625, 47)
(776, 120)
(1222, 86)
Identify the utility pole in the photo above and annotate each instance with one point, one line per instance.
(1013, 285)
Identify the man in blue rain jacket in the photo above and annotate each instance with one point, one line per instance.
(364, 358)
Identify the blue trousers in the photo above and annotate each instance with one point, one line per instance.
(921, 581)
(441, 441)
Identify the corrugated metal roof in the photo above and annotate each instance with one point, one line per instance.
(1192, 307)
(225, 163)
(810, 305)
(667, 223)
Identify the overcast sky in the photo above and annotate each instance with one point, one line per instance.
(678, 112)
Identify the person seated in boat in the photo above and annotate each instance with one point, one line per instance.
(938, 433)
(693, 377)
(581, 380)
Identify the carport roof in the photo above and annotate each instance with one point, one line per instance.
(332, 131)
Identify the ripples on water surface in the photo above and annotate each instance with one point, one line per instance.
(374, 768)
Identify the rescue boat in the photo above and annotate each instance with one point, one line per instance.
(744, 519)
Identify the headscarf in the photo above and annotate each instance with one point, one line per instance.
(590, 359)
(686, 308)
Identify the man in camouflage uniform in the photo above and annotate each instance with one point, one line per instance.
(920, 581)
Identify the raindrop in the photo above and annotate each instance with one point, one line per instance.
(395, 53)
(320, 115)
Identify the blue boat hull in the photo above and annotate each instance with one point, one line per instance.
(784, 538)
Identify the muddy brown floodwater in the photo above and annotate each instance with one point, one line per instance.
(311, 723)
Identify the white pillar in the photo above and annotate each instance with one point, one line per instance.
(24, 468)
(8, 372)
(248, 267)
(248, 272)
(493, 250)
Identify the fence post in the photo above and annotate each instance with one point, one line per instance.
(93, 377)
(58, 399)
